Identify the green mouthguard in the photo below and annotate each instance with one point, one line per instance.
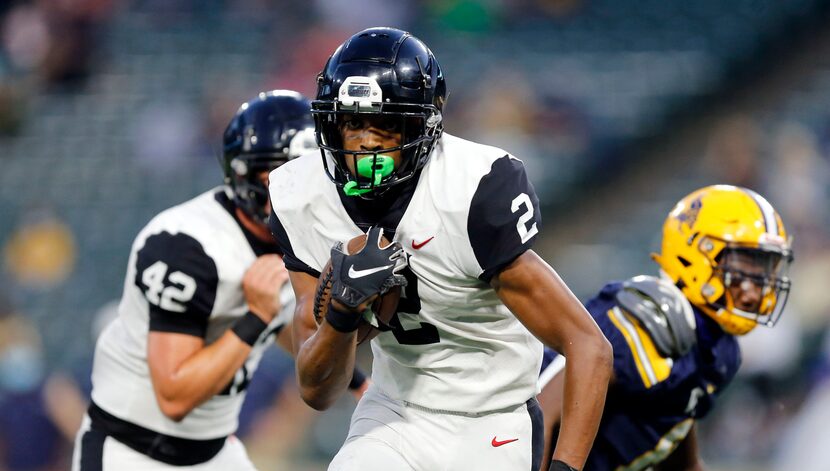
(381, 165)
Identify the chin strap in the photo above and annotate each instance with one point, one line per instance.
(379, 167)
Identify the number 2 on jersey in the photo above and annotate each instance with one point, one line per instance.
(170, 297)
(524, 233)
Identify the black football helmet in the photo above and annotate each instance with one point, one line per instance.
(265, 133)
(389, 73)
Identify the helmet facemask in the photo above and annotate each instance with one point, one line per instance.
(749, 284)
(249, 190)
(360, 100)
(244, 171)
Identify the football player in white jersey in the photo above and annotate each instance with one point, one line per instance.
(455, 372)
(206, 291)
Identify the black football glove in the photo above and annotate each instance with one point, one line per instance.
(373, 270)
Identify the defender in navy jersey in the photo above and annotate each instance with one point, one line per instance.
(454, 377)
(725, 253)
(206, 292)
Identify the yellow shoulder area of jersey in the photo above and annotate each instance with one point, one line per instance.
(652, 367)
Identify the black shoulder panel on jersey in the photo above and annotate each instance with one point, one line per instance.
(504, 216)
(179, 281)
(292, 262)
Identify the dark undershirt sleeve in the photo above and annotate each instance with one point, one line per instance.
(504, 216)
(292, 262)
(179, 281)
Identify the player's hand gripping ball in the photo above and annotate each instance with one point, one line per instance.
(363, 284)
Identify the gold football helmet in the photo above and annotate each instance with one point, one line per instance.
(727, 249)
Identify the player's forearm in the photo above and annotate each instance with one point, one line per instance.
(587, 373)
(324, 357)
(550, 399)
(201, 376)
(325, 365)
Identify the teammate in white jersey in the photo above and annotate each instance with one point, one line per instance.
(454, 378)
(206, 292)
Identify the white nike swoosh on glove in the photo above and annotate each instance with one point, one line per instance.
(361, 273)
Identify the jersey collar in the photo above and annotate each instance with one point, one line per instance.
(385, 211)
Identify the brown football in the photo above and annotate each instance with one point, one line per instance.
(383, 307)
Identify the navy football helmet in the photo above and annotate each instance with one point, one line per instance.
(384, 72)
(265, 133)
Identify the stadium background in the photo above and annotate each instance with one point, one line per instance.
(111, 110)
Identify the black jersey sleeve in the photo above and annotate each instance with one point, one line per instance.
(179, 281)
(292, 262)
(504, 216)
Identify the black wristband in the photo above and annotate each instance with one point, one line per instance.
(343, 321)
(557, 465)
(249, 327)
(358, 379)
